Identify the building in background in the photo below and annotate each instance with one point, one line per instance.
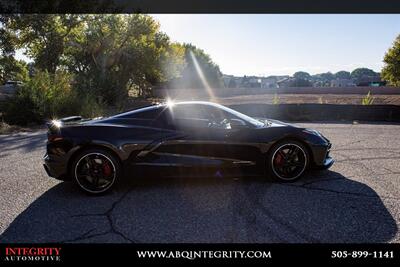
(283, 81)
(370, 81)
(343, 83)
(270, 82)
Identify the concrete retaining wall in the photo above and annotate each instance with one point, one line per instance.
(321, 112)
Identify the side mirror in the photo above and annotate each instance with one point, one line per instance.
(237, 123)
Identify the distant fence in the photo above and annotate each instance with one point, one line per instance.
(321, 112)
(228, 92)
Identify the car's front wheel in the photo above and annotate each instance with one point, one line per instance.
(96, 171)
(287, 161)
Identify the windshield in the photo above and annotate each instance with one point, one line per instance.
(247, 119)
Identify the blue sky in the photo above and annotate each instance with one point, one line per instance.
(262, 44)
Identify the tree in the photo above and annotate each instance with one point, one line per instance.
(323, 79)
(43, 36)
(391, 68)
(302, 75)
(10, 68)
(296, 82)
(117, 53)
(199, 71)
(327, 76)
(342, 75)
(359, 73)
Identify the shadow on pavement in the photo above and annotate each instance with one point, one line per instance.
(323, 207)
(25, 141)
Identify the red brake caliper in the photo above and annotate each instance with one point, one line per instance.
(278, 159)
(106, 169)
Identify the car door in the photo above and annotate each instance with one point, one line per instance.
(203, 142)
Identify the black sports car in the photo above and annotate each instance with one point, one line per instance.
(186, 138)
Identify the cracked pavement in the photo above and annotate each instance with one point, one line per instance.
(356, 201)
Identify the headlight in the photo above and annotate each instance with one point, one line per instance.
(314, 132)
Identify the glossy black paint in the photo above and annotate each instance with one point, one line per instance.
(155, 139)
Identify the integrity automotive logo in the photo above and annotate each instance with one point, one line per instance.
(32, 254)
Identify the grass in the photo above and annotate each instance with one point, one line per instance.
(367, 100)
(276, 100)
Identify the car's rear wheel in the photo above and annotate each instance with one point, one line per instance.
(287, 161)
(96, 171)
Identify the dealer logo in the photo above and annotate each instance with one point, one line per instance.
(32, 254)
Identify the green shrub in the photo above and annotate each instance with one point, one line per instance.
(89, 107)
(47, 96)
(21, 110)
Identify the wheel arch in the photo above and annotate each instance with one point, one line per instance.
(297, 139)
(87, 147)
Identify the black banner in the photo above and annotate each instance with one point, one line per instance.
(265, 254)
(199, 6)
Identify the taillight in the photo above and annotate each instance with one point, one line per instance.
(54, 137)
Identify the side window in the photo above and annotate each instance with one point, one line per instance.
(188, 112)
(215, 114)
(189, 116)
(145, 117)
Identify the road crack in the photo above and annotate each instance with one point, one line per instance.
(108, 215)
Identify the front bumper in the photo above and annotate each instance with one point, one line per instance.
(322, 158)
(54, 169)
(328, 162)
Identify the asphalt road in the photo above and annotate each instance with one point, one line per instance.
(356, 201)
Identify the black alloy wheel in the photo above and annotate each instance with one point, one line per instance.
(288, 161)
(96, 171)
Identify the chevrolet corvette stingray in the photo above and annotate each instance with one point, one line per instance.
(191, 138)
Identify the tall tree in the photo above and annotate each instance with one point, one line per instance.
(359, 73)
(199, 71)
(327, 76)
(10, 68)
(302, 75)
(116, 53)
(323, 79)
(391, 69)
(342, 75)
(43, 36)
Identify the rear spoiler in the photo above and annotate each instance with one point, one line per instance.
(55, 125)
(72, 118)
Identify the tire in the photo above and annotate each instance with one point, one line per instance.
(284, 166)
(96, 171)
